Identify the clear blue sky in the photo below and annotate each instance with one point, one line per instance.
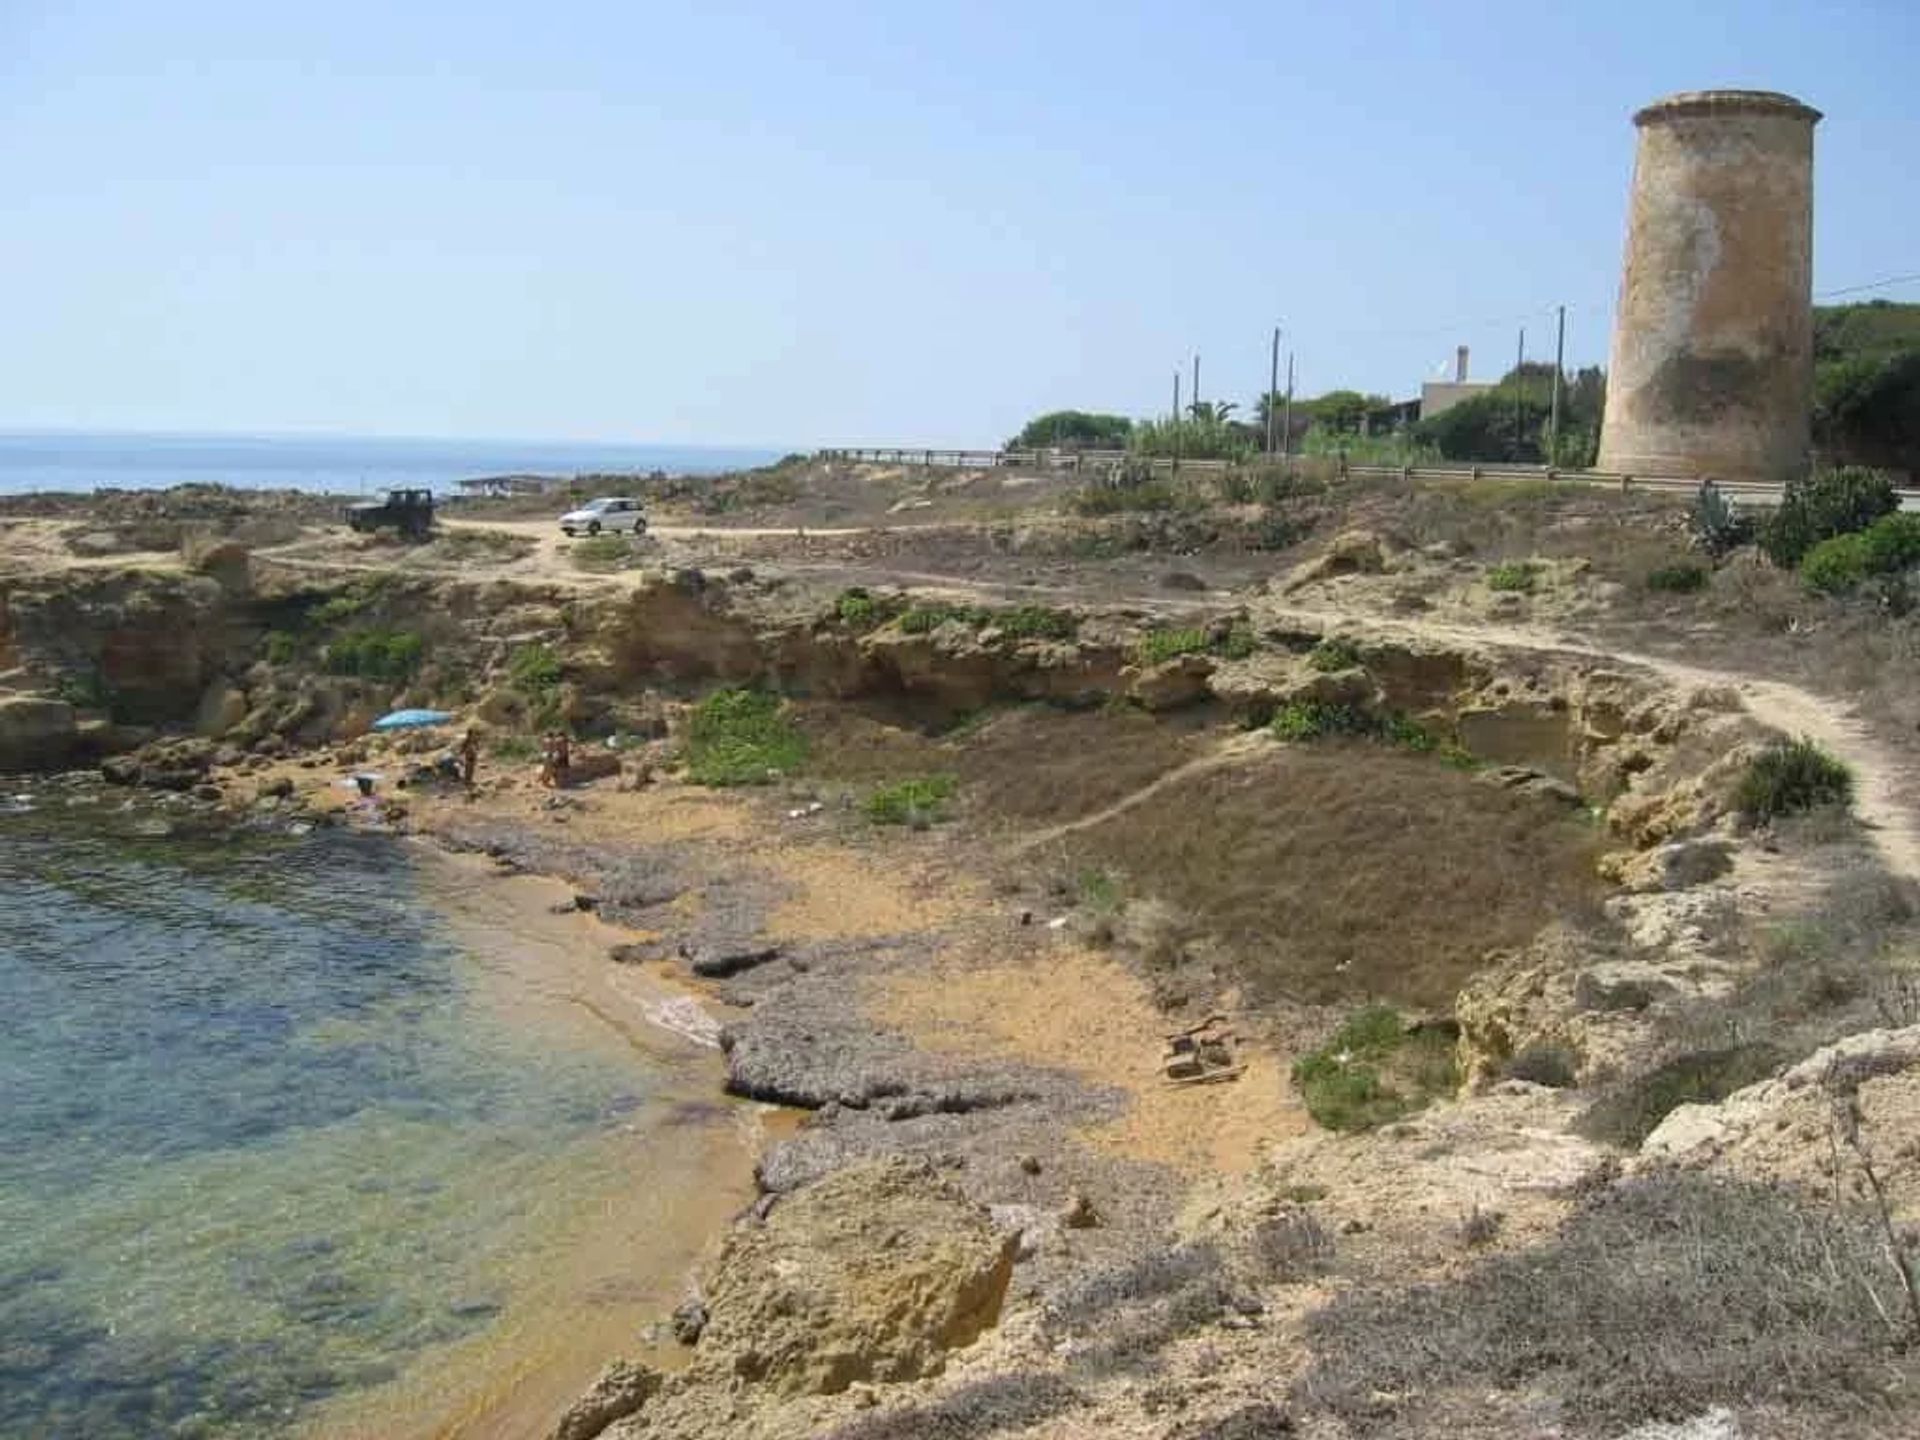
(801, 223)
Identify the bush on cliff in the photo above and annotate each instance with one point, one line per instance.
(1373, 1069)
(1790, 776)
(1889, 546)
(917, 802)
(1833, 502)
(742, 737)
(385, 655)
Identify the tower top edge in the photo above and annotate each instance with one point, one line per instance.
(1725, 102)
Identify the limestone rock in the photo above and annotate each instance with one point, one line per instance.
(872, 1275)
(36, 733)
(1341, 687)
(222, 708)
(1677, 865)
(622, 1389)
(1171, 684)
(1353, 552)
(1780, 1129)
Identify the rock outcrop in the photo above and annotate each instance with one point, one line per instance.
(36, 733)
(1793, 1127)
(870, 1275)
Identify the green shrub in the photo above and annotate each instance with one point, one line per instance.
(856, 609)
(916, 802)
(1334, 654)
(1373, 1069)
(1893, 543)
(1237, 644)
(1157, 646)
(359, 596)
(742, 737)
(919, 619)
(1033, 622)
(384, 655)
(1834, 502)
(1515, 577)
(1836, 565)
(1681, 578)
(601, 552)
(281, 647)
(533, 669)
(1408, 734)
(1303, 720)
(1790, 776)
(1311, 720)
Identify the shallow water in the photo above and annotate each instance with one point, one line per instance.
(297, 1136)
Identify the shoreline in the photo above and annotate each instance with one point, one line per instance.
(617, 1263)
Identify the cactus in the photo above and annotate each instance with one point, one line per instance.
(1714, 524)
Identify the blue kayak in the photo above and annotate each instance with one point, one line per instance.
(411, 719)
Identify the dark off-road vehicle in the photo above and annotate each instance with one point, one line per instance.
(408, 511)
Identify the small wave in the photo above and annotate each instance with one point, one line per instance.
(683, 1016)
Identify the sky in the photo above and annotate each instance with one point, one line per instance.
(797, 224)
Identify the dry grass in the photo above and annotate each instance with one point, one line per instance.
(1657, 1300)
(1030, 764)
(1336, 872)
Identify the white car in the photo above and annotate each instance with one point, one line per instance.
(608, 514)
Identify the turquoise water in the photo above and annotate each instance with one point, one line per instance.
(334, 464)
(260, 1143)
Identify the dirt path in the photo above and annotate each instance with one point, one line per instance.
(1234, 750)
(1879, 777)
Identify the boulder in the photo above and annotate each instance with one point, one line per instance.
(870, 1275)
(222, 708)
(622, 1389)
(1353, 552)
(36, 733)
(1171, 684)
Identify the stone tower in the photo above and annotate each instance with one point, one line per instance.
(1712, 366)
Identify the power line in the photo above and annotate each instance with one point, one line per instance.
(1887, 283)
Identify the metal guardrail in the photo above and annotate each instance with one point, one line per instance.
(1075, 461)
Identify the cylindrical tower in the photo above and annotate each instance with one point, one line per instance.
(1712, 367)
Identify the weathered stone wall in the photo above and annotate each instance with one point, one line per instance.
(1712, 364)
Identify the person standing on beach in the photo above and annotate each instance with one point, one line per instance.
(562, 757)
(547, 761)
(469, 756)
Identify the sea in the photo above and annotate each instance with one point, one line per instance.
(328, 464)
(322, 1135)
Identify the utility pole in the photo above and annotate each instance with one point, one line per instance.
(1286, 420)
(1273, 388)
(1176, 420)
(1559, 369)
(1196, 378)
(1520, 395)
